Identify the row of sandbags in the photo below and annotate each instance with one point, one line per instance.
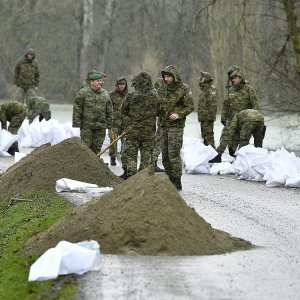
(36, 134)
(276, 168)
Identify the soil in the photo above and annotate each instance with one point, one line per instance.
(144, 215)
(40, 169)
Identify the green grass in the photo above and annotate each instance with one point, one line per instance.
(18, 222)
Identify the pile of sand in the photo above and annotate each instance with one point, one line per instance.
(144, 215)
(40, 169)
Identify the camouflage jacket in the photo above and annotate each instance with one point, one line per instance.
(92, 109)
(117, 97)
(9, 110)
(141, 108)
(26, 73)
(245, 117)
(207, 106)
(35, 106)
(175, 98)
(238, 100)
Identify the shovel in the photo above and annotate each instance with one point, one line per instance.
(111, 144)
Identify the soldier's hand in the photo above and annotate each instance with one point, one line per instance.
(173, 117)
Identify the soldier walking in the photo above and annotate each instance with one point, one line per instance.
(26, 76)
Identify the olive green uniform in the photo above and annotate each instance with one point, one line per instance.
(38, 106)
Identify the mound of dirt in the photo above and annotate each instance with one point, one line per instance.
(40, 169)
(144, 215)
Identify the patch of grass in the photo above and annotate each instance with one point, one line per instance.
(18, 222)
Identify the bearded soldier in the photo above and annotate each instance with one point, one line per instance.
(207, 108)
(176, 104)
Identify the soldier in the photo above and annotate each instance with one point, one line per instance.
(26, 76)
(244, 124)
(92, 113)
(141, 107)
(38, 106)
(207, 108)
(13, 112)
(241, 96)
(176, 104)
(117, 97)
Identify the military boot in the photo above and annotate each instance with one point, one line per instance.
(177, 182)
(216, 159)
(157, 168)
(113, 161)
(124, 176)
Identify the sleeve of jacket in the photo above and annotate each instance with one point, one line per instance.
(225, 110)
(232, 130)
(37, 75)
(125, 105)
(78, 110)
(109, 113)
(16, 73)
(213, 102)
(253, 98)
(188, 104)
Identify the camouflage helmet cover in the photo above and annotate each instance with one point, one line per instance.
(232, 69)
(238, 73)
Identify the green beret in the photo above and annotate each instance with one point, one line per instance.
(95, 76)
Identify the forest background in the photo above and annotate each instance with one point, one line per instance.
(122, 38)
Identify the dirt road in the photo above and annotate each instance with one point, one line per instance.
(267, 217)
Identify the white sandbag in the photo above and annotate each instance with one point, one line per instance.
(293, 181)
(65, 258)
(67, 185)
(19, 156)
(251, 163)
(223, 168)
(195, 156)
(6, 140)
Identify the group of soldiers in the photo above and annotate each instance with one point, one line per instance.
(152, 116)
(240, 116)
(27, 103)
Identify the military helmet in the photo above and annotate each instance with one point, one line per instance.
(232, 69)
(142, 79)
(208, 77)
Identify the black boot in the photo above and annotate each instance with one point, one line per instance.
(113, 161)
(124, 176)
(216, 159)
(177, 182)
(157, 168)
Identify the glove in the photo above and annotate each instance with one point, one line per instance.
(231, 152)
(223, 122)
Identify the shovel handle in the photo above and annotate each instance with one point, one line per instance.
(111, 144)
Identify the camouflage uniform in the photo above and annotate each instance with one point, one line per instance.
(38, 106)
(92, 113)
(141, 108)
(119, 125)
(207, 109)
(13, 112)
(176, 98)
(26, 77)
(240, 97)
(244, 124)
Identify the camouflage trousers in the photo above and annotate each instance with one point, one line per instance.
(207, 133)
(138, 140)
(223, 140)
(113, 150)
(93, 138)
(157, 143)
(14, 125)
(23, 94)
(171, 143)
(256, 129)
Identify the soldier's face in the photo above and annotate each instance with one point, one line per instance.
(121, 86)
(236, 79)
(168, 79)
(29, 56)
(96, 84)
